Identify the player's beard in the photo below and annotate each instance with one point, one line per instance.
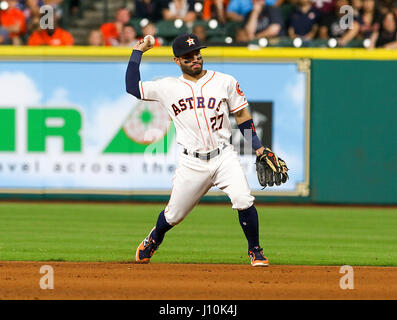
(190, 71)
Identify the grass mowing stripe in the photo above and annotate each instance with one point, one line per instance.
(210, 234)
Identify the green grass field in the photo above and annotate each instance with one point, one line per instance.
(210, 234)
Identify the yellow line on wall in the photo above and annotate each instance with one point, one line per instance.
(214, 52)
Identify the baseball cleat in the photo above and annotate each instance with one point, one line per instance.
(146, 249)
(257, 257)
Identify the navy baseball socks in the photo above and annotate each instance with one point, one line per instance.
(248, 220)
(162, 226)
(249, 223)
(151, 243)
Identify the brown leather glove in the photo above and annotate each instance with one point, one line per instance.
(271, 170)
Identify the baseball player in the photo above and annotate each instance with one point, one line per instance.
(199, 102)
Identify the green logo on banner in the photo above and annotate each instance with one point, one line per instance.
(147, 129)
(7, 129)
(148, 126)
(67, 125)
(41, 124)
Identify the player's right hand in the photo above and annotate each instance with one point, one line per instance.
(143, 45)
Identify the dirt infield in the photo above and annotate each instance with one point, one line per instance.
(157, 281)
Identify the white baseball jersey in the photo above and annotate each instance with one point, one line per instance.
(200, 110)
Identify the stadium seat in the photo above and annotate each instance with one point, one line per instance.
(217, 31)
(136, 23)
(168, 30)
(217, 40)
(231, 28)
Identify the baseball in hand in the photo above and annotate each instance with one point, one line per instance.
(150, 39)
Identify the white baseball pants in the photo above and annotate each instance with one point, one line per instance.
(194, 177)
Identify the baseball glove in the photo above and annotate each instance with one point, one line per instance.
(271, 170)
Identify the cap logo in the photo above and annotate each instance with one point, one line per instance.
(190, 41)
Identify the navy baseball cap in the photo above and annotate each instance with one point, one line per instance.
(186, 43)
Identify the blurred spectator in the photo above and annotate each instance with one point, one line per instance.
(13, 21)
(294, 2)
(57, 5)
(179, 9)
(237, 9)
(201, 33)
(128, 36)
(74, 7)
(241, 37)
(149, 9)
(385, 6)
(30, 7)
(31, 11)
(303, 22)
(263, 21)
(215, 9)
(331, 26)
(276, 3)
(111, 31)
(95, 38)
(370, 18)
(325, 6)
(357, 6)
(4, 39)
(386, 37)
(150, 29)
(51, 37)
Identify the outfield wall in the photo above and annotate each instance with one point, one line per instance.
(353, 131)
(331, 113)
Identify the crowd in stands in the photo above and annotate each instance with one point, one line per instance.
(20, 22)
(307, 20)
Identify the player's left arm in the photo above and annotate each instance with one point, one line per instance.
(270, 168)
(246, 125)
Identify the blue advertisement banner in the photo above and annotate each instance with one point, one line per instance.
(71, 125)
